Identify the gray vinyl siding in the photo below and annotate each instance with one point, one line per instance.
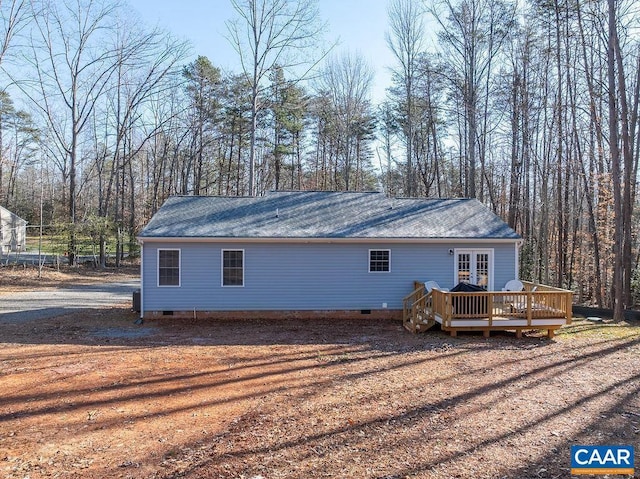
(504, 265)
(297, 276)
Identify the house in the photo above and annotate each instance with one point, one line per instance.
(13, 231)
(307, 254)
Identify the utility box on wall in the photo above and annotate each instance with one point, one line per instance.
(136, 300)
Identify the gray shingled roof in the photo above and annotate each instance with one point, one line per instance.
(313, 214)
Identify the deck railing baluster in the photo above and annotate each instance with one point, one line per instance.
(537, 307)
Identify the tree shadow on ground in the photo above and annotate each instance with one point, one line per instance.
(601, 416)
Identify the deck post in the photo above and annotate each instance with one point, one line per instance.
(568, 309)
(490, 308)
(448, 310)
(414, 318)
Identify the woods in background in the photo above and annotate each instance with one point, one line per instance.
(532, 108)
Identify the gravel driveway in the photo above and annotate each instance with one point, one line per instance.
(31, 305)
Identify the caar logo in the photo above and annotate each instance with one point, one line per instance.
(602, 460)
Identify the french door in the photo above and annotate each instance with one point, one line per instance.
(474, 266)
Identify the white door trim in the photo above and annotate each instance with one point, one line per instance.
(473, 252)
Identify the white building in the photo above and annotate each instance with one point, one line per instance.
(13, 231)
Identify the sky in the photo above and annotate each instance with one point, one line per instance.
(359, 24)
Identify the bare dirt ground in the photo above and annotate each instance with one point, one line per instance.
(90, 394)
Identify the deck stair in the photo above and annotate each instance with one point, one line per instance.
(417, 311)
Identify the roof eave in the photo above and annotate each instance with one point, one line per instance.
(182, 239)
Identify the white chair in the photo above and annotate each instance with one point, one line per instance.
(429, 285)
(513, 285)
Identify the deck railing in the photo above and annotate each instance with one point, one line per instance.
(488, 308)
(536, 307)
(416, 309)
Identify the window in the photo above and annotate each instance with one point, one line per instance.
(232, 268)
(379, 260)
(168, 267)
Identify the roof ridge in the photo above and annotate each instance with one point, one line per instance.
(429, 198)
(325, 191)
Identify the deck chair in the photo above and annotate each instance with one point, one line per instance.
(513, 285)
(429, 285)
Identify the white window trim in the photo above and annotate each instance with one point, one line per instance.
(369, 260)
(222, 269)
(472, 251)
(179, 268)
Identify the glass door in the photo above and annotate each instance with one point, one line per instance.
(474, 267)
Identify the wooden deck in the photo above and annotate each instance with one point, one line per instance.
(537, 307)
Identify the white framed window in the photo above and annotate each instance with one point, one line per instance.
(168, 267)
(379, 260)
(232, 267)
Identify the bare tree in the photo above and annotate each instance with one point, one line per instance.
(145, 61)
(72, 65)
(472, 32)
(346, 80)
(406, 43)
(268, 33)
(618, 308)
(14, 14)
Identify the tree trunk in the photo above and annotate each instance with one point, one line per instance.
(618, 287)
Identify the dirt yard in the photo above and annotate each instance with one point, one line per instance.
(93, 395)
